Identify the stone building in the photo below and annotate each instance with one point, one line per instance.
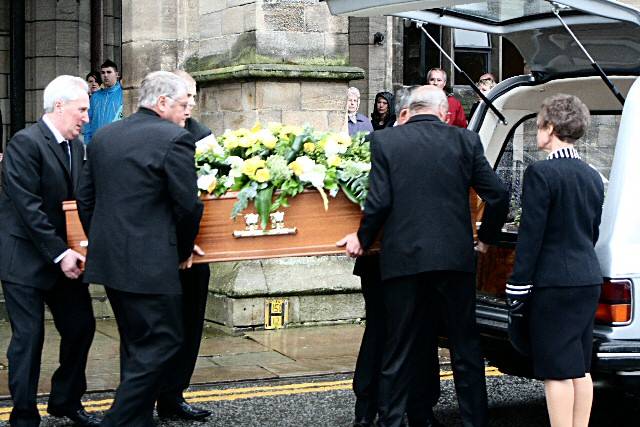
(254, 60)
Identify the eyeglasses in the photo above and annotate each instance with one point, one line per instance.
(487, 80)
(182, 105)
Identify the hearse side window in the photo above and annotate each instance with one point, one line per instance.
(596, 148)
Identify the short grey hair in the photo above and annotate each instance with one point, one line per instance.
(440, 70)
(402, 97)
(353, 91)
(63, 88)
(161, 83)
(567, 114)
(428, 99)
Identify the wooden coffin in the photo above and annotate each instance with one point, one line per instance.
(315, 230)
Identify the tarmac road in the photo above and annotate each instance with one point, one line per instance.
(328, 401)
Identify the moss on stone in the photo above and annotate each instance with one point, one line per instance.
(279, 72)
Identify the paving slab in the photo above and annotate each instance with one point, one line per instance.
(313, 342)
(258, 358)
(223, 357)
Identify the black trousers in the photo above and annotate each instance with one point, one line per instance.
(150, 327)
(70, 304)
(407, 301)
(195, 287)
(425, 389)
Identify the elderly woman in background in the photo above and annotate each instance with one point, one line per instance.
(357, 122)
(562, 199)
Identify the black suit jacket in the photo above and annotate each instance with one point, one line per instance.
(35, 182)
(421, 173)
(138, 203)
(561, 210)
(196, 129)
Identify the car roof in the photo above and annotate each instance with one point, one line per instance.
(609, 30)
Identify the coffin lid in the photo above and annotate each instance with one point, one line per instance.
(609, 30)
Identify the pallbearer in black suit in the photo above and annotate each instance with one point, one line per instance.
(425, 393)
(139, 206)
(195, 287)
(41, 168)
(562, 199)
(419, 193)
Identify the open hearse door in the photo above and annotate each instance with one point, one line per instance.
(588, 48)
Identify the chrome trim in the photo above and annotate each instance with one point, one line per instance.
(618, 355)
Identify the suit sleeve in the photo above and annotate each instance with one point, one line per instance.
(379, 200)
(22, 173)
(486, 183)
(183, 190)
(536, 198)
(85, 194)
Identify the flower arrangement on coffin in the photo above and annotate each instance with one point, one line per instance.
(269, 165)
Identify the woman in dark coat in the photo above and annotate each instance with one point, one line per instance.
(383, 115)
(562, 201)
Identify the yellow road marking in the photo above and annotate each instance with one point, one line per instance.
(242, 393)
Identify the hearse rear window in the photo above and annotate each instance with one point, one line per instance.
(596, 148)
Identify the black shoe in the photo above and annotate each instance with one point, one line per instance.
(183, 411)
(363, 422)
(80, 417)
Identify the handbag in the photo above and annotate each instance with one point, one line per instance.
(518, 323)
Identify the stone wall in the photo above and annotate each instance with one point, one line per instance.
(281, 61)
(382, 62)
(235, 104)
(57, 42)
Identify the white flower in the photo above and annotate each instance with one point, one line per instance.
(209, 143)
(205, 182)
(236, 166)
(333, 148)
(312, 172)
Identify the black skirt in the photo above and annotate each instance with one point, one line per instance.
(561, 326)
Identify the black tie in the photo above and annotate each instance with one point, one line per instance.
(67, 153)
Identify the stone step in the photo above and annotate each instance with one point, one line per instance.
(314, 290)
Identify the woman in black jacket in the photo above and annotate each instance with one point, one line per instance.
(383, 115)
(562, 201)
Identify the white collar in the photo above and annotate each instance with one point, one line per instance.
(564, 153)
(56, 133)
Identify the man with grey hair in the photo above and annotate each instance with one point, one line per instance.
(455, 116)
(421, 174)
(195, 288)
(139, 207)
(42, 165)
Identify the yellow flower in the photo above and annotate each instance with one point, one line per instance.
(274, 127)
(309, 147)
(267, 139)
(287, 130)
(250, 166)
(296, 167)
(344, 139)
(230, 140)
(247, 140)
(334, 161)
(262, 175)
(256, 128)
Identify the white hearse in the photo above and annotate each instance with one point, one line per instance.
(589, 48)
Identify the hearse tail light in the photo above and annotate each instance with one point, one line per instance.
(614, 306)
